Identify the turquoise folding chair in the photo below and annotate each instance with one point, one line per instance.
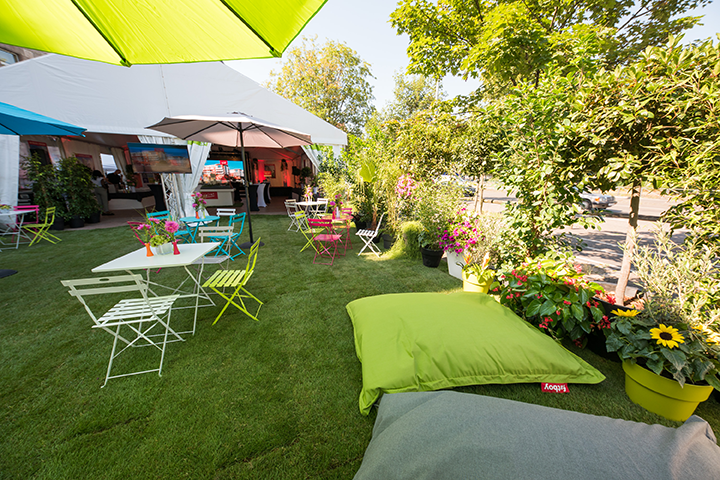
(235, 219)
(183, 234)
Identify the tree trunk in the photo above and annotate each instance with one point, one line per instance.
(629, 249)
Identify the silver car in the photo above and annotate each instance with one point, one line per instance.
(596, 201)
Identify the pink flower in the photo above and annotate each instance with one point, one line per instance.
(567, 302)
(171, 226)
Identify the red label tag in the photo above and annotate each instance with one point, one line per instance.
(555, 387)
(210, 195)
(223, 163)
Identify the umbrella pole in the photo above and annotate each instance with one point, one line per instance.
(247, 194)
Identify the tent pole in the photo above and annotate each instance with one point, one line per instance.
(247, 192)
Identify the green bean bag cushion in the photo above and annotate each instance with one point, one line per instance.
(414, 342)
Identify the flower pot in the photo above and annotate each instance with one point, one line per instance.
(94, 218)
(431, 258)
(76, 222)
(471, 282)
(58, 224)
(164, 249)
(388, 241)
(453, 259)
(661, 395)
(596, 343)
(360, 225)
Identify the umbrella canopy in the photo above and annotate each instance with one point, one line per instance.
(233, 130)
(16, 121)
(156, 31)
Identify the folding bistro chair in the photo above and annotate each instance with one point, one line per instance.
(235, 219)
(367, 236)
(323, 242)
(292, 208)
(40, 231)
(217, 234)
(236, 279)
(320, 209)
(139, 316)
(305, 229)
(224, 212)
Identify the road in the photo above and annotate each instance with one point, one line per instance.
(602, 252)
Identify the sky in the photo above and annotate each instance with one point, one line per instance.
(364, 26)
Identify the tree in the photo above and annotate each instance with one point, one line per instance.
(656, 121)
(412, 94)
(330, 81)
(510, 41)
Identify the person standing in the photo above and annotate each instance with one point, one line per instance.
(101, 192)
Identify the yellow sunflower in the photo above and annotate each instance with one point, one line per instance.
(667, 336)
(710, 335)
(624, 313)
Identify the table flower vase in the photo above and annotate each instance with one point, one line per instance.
(164, 249)
(197, 214)
(148, 250)
(176, 250)
(453, 259)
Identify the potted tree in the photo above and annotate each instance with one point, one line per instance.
(435, 205)
(670, 349)
(46, 189)
(76, 185)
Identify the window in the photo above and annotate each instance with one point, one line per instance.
(7, 58)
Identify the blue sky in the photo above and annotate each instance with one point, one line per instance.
(365, 27)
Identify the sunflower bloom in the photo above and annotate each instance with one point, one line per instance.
(667, 336)
(624, 313)
(710, 335)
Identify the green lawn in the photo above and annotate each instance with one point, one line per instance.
(271, 399)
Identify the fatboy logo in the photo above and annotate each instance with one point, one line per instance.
(555, 387)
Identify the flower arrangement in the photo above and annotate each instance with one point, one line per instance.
(337, 203)
(479, 270)
(199, 204)
(677, 332)
(551, 292)
(5, 207)
(405, 187)
(156, 232)
(308, 193)
(462, 233)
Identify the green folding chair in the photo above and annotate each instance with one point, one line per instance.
(236, 280)
(40, 231)
(308, 232)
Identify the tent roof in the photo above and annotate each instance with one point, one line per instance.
(120, 100)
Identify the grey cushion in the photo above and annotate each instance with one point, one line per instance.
(438, 435)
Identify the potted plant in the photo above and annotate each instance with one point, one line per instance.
(552, 293)
(433, 207)
(670, 349)
(76, 185)
(477, 277)
(46, 189)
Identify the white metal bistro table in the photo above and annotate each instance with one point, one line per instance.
(190, 253)
(9, 214)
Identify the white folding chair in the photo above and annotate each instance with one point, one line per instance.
(321, 209)
(224, 212)
(367, 236)
(138, 315)
(216, 234)
(292, 208)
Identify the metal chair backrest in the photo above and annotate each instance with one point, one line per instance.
(223, 231)
(85, 287)
(49, 216)
(321, 223)
(239, 218)
(225, 212)
(29, 208)
(161, 215)
(322, 208)
(291, 207)
(377, 227)
(252, 259)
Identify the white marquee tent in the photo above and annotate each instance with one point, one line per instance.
(108, 99)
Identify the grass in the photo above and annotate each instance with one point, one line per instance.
(271, 399)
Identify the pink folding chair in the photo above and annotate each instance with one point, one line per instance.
(29, 208)
(326, 244)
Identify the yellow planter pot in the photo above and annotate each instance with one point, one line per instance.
(661, 395)
(471, 283)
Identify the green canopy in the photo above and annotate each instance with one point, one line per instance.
(127, 32)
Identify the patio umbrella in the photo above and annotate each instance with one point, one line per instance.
(156, 31)
(16, 121)
(234, 130)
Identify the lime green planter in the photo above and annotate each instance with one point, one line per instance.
(471, 282)
(662, 395)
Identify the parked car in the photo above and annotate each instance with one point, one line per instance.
(596, 201)
(467, 185)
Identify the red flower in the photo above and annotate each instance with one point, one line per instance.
(567, 302)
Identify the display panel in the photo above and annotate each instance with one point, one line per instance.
(155, 158)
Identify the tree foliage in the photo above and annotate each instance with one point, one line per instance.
(509, 41)
(413, 93)
(330, 81)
